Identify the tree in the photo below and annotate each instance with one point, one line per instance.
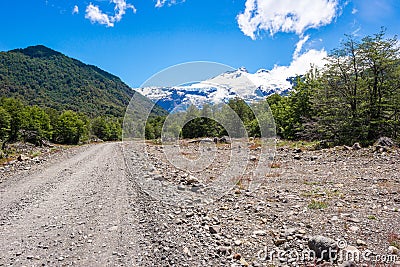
(36, 125)
(5, 119)
(101, 128)
(357, 94)
(70, 128)
(14, 108)
(380, 59)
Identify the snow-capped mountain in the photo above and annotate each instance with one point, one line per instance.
(238, 83)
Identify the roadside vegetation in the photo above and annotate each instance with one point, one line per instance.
(19, 122)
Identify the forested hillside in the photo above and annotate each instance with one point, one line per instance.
(47, 96)
(41, 76)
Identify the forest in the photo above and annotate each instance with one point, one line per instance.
(19, 122)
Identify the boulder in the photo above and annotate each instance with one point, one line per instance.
(384, 142)
(23, 157)
(325, 248)
(225, 140)
(356, 146)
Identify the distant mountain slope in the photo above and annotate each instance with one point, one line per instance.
(39, 75)
(238, 83)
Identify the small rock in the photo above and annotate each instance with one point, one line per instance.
(192, 180)
(259, 233)
(244, 263)
(279, 241)
(214, 229)
(224, 250)
(253, 158)
(393, 250)
(237, 242)
(189, 214)
(113, 229)
(237, 256)
(354, 220)
(297, 157)
(159, 177)
(302, 231)
(361, 243)
(186, 251)
(23, 157)
(181, 187)
(354, 228)
(297, 150)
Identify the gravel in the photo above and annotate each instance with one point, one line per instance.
(86, 207)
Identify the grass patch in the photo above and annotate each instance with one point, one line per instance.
(394, 240)
(317, 205)
(371, 217)
(273, 175)
(36, 154)
(275, 165)
(310, 183)
(304, 145)
(318, 192)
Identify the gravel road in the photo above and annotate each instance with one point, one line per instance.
(83, 208)
(76, 211)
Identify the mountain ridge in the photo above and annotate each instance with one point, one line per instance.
(41, 76)
(236, 83)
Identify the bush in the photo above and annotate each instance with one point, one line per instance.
(70, 128)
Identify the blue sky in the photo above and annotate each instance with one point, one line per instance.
(134, 39)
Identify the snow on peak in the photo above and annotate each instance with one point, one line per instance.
(238, 83)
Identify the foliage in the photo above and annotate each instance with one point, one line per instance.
(317, 204)
(358, 94)
(5, 125)
(14, 108)
(35, 125)
(355, 98)
(106, 128)
(40, 76)
(69, 128)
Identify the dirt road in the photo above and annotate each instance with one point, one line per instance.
(74, 212)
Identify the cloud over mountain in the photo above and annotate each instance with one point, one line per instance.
(286, 16)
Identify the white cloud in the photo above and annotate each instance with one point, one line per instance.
(75, 10)
(95, 15)
(161, 3)
(285, 16)
(300, 65)
(300, 45)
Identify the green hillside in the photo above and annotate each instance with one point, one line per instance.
(41, 76)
